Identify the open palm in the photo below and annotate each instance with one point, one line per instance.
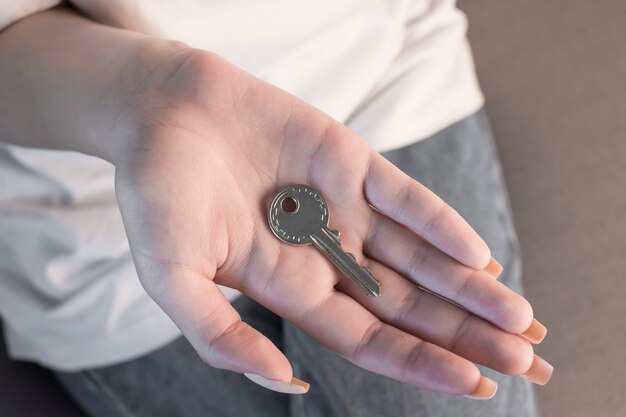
(215, 145)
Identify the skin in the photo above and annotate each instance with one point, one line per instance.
(200, 147)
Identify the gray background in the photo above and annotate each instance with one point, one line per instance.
(554, 75)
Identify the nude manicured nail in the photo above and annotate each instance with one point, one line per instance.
(296, 386)
(540, 371)
(486, 389)
(493, 268)
(535, 333)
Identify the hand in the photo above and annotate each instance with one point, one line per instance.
(211, 146)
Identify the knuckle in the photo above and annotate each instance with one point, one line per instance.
(413, 360)
(403, 198)
(370, 335)
(408, 307)
(420, 254)
(435, 218)
(461, 331)
(464, 288)
(213, 349)
(234, 330)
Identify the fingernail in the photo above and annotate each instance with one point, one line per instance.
(540, 371)
(493, 268)
(535, 333)
(296, 386)
(486, 389)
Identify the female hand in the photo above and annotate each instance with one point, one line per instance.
(211, 145)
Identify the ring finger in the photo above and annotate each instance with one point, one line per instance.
(404, 305)
(413, 257)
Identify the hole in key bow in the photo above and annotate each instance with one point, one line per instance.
(289, 205)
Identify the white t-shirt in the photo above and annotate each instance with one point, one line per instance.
(395, 71)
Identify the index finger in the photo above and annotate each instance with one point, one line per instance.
(405, 200)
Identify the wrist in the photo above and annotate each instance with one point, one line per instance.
(132, 98)
(167, 87)
(75, 85)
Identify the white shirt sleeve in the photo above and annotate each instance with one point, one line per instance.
(13, 10)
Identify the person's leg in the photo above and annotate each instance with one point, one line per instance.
(460, 164)
(173, 381)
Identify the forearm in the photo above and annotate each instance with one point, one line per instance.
(69, 83)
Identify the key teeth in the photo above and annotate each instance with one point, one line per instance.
(375, 292)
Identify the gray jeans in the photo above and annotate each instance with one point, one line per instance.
(460, 164)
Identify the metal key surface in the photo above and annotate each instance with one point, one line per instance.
(299, 215)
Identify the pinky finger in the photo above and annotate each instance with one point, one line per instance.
(361, 338)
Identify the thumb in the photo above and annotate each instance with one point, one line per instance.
(215, 330)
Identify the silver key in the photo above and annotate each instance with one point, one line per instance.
(299, 215)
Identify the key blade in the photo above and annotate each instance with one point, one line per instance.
(327, 243)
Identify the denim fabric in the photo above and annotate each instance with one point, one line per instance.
(460, 164)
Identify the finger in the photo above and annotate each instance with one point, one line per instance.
(408, 202)
(404, 305)
(216, 331)
(363, 339)
(411, 256)
(301, 291)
